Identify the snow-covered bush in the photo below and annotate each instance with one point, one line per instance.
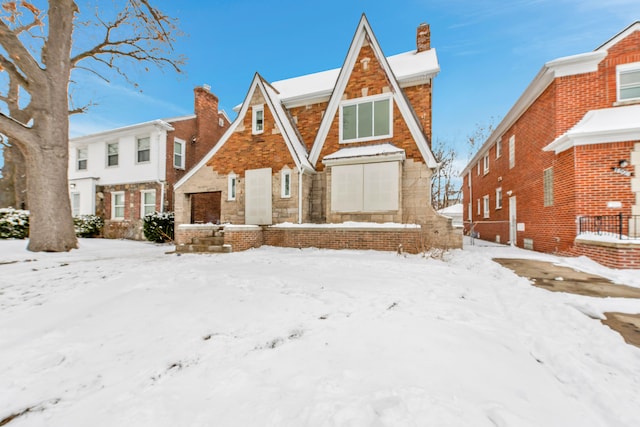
(158, 227)
(14, 223)
(88, 225)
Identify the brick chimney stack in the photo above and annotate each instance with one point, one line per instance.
(423, 37)
(206, 111)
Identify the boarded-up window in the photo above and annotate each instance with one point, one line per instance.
(371, 187)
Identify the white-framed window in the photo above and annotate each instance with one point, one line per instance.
(485, 162)
(366, 119)
(547, 180)
(143, 149)
(117, 205)
(469, 213)
(499, 198)
(112, 154)
(370, 187)
(485, 204)
(232, 182)
(257, 115)
(179, 148)
(498, 148)
(469, 179)
(512, 151)
(82, 158)
(478, 168)
(628, 79)
(479, 211)
(75, 204)
(147, 202)
(285, 178)
(220, 122)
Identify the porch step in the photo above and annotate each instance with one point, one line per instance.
(203, 248)
(208, 241)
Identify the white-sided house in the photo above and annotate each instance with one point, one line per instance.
(119, 174)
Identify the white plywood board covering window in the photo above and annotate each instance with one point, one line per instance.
(370, 187)
(258, 197)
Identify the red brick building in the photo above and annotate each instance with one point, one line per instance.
(348, 144)
(561, 169)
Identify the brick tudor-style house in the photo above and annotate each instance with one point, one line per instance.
(122, 174)
(565, 160)
(343, 147)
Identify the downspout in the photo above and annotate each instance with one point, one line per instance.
(300, 173)
(161, 159)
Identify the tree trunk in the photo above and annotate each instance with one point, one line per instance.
(51, 221)
(13, 182)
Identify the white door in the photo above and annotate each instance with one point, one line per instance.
(257, 208)
(513, 223)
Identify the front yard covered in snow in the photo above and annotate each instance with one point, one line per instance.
(118, 333)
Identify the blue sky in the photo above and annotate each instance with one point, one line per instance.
(488, 51)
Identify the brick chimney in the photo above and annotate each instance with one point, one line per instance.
(206, 111)
(423, 37)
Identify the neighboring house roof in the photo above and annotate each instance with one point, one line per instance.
(365, 34)
(614, 124)
(125, 129)
(289, 134)
(565, 66)
(456, 209)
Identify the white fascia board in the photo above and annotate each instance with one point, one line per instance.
(576, 64)
(137, 128)
(379, 158)
(569, 140)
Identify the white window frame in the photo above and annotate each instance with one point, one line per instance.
(144, 205)
(486, 205)
(499, 198)
(498, 148)
(182, 153)
(364, 100)
(469, 212)
(117, 154)
(479, 210)
(114, 196)
(512, 151)
(485, 162)
(478, 168)
(81, 158)
(285, 183)
(138, 150)
(232, 186)
(624, 69)
(75, 203)
(547, 186)
(257, 126)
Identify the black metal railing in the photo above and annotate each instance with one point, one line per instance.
(621, 226)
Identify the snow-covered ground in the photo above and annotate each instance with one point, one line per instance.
(118, 333)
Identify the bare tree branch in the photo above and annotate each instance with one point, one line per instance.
(14, 130)
(19, 54)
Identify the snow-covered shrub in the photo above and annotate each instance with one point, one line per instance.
(88, 225)
(14, 223)
(158, 227)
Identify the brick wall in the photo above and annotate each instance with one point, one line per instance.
(613, 255)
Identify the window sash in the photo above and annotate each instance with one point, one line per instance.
(82, 157)
(366, 120)
(144, 149)
(512, 151)
(112, 154)
(75, 204)
(286, 184)
(148, 202)
(485, 203)
(231, 187)
(486, 163)
(257, 120)
(498, 198)
(118, 205)
(498, 148)
(629, 84)
(178, 154)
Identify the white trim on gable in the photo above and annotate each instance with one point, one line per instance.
(360, 37)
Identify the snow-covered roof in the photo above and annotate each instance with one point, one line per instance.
(373, 153)
(614, 124)
(407, 67)
(452, 210)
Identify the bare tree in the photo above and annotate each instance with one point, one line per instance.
(37, 58)
(445, 184)
(480, 133)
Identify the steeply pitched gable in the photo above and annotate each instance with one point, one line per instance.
(364, 35)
